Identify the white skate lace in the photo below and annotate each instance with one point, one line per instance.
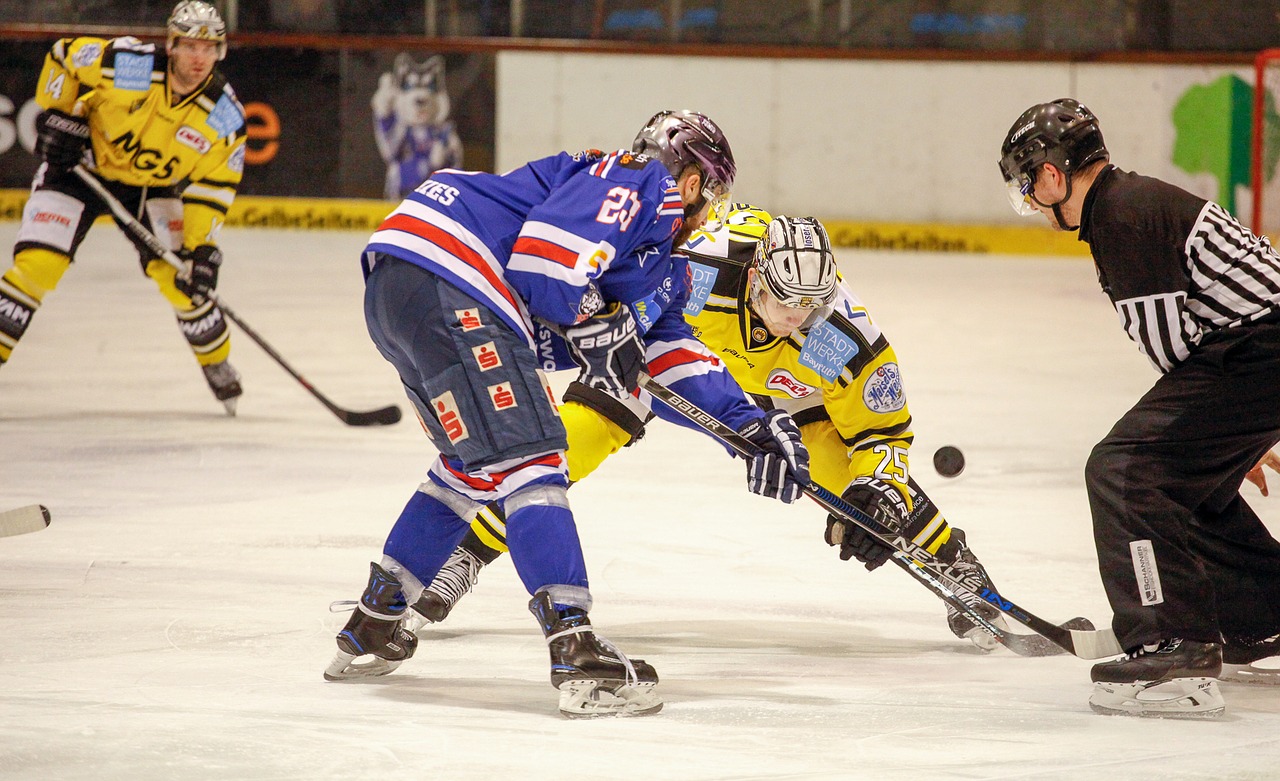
(632, 677)
(457, 577)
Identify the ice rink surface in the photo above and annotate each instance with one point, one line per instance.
(172, 622)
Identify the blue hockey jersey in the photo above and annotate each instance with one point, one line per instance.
(542, 242)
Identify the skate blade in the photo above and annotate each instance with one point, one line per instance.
(588, 699)
(1260, 672)
(230, 404)
(1180, 698)
(344, 667)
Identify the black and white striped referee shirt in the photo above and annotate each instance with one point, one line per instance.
(1176, 266)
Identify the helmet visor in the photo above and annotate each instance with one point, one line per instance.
(716, 194)
(783, 317)
(1019, 190)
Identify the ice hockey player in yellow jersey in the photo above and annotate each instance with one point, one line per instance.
(162, 129)
(767, 300)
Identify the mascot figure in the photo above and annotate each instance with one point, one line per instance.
(411, 123)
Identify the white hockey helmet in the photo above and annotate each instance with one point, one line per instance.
(199, 21)
(794, 263)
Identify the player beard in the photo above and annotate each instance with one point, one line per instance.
(683, 233)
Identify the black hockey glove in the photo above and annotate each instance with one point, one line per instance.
(780, 469)
(201, 276)
(609, 350)
(61, 139)
(883, 503)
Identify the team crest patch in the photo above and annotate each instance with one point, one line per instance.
(226, 117)
(502, 397)
(89, 54)
(468, 319)
(450, 418)
(702, 279)
(883, 391)
(827, 350)
(194, 139)
(133, 71)
(486, 356)
(236, 161)
(785, 381)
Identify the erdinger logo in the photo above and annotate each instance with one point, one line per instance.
(784, 381)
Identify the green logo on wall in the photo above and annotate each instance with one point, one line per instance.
(1214, 130)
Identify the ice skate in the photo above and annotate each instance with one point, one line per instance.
(1258, 661)
(374, 630)
(593, 677)
(971, 572)
(456, 578)
(1173, 679)
(224, 381)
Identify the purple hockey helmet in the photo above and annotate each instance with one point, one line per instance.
(679, 138)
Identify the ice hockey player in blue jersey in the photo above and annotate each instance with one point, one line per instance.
(477, 284)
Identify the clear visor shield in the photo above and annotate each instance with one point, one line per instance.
(1019, 189)
(717, 195)
(782, 318)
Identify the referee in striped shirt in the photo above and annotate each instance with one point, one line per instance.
(1190, 571)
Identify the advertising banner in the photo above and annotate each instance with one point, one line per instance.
(320, 123)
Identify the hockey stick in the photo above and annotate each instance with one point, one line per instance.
(24, 520)
(378, 417)
(1085, 644)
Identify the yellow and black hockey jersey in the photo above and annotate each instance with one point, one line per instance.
(138, 138)
(837, 370)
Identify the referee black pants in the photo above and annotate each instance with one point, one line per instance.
(1180, 551)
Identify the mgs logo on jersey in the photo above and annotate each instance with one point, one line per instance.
(450, 418)
(786, 382)
(702, 279)
(883, 391)
(826, 350)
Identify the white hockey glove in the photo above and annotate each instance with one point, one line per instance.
(609, 350)
(780, 469)
(885, 504)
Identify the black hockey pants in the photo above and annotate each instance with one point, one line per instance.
(1180, 551)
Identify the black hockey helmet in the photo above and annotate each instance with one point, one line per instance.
(1063, 132)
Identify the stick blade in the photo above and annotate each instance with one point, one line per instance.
(385, 416)
(24, 520)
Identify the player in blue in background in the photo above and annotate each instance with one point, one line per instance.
(458, 279)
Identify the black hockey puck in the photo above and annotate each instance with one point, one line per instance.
(949, 461)
(45, 512)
